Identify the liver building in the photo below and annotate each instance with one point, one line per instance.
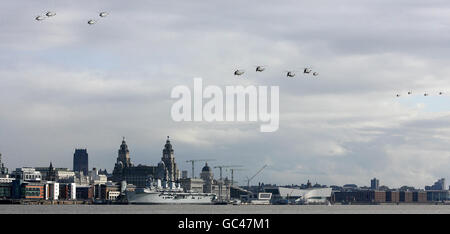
(167, 168)
(139, 175)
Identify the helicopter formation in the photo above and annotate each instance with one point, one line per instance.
(237, 72)
(261, 68)
(50, 14)
(101, 14)
(425, 94)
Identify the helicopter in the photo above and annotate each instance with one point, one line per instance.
(290, 74)
(260, 68)
(39, 18)
(50, 14)
(239, 72)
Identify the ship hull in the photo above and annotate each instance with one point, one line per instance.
(169, 198)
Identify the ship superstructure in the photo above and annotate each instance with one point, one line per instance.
(161, 192)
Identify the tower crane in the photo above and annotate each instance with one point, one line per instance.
(249, 179)
(232, 173)
(221, 181)
(197, 160)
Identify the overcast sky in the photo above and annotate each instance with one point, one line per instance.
(66, 84)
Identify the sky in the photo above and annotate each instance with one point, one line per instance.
(66, 84)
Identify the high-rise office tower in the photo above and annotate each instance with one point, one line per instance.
(374, 184)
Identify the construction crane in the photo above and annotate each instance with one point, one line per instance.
(249, 179)
(232, 173)
(197, 160)
(221, 181)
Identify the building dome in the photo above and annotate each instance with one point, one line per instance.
(206, 168)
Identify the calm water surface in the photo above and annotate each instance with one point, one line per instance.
(222, 209)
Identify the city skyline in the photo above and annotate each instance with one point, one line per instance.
(66, 85)
(374, 183)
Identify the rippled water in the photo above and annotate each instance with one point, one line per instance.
(225, 209)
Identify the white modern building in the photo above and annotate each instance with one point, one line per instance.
(27, 174)
(51, 190)
(96, 178)
(6, 180)
(81, 179)
(306, 196)
(61, 174)
(112, 195)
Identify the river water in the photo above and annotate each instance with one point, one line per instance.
(224, 209)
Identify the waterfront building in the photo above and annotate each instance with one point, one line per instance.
(350, 187)
(81, 161)
(27, 174)
(438, 195)
(374, 184)
(33, 191)
(6, 179)
(3, 169)
(192, 185)
(362, 196)
(140, 175)
(67, 191)
(208, 177)
(237, 192)
(27, 190)
(401, 196)
(51, 190)
(84, 192)
(103, 172)
(438, 185)
(5, 190)
(392, 196)
(221, 189)
(51, 174)
(336, 188)
(113, 195)
(62, 175)
(124, 170)
(172, 172)
(406, 196)
(419, 196)
(81, 179)
(108, 191)
(97, 178)
(307, 196)
(378, 196)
